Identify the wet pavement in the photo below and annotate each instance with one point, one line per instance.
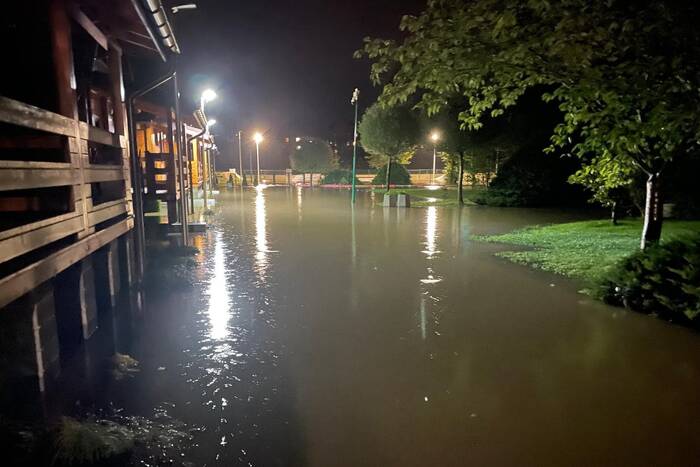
(323, 336)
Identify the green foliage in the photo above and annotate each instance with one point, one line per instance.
(581, 250)
(87, 442)
(624, 74)
(663, 279)
(312, 155)
(339, 177)
(531, 178)
(388, 133)
(398, 176)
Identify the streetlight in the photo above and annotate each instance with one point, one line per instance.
(355, 98)
(186, 6)
(207, 96)
(434, 137)
(257, 137)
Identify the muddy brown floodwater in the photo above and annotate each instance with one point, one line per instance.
(323, 336)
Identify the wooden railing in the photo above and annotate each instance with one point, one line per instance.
(83, 219)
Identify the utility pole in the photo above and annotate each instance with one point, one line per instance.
(355, 98)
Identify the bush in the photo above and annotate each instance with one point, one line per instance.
(663, 279)
(339, 177)
(532, 178)
(399, 175)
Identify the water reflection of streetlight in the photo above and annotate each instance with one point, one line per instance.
(260, 233)
(258, 137)
(430, 231)
(219, 299)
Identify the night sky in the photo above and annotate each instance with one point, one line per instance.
(284, 67)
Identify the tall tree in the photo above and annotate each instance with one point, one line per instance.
(313, 155)
(625, 74)
(389, 134)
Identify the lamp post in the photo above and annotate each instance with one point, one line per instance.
(434, 137)
(206, 151)
(355, 98)
(207, 96)
(240, 158)
(257, 137)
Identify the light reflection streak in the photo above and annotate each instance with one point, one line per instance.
(219, 299)
(431, 232)
(422, 317)
(261, 247)
(299, 202)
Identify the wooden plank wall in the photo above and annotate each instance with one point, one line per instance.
(81, 224)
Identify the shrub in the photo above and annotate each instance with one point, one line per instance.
(663, 279)
(399, 175)
(532, 178)
(339, 177)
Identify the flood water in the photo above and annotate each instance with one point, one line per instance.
(318, 335)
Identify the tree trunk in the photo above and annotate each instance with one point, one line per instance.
(303, 178)
(311, 180)
(388, 175)
(613, 213)
(460, 180)
(653, 212)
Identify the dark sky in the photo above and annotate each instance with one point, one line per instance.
(285, 67)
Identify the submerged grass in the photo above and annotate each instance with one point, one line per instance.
(581, 250)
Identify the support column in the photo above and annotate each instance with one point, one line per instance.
(127, 259)
(76, 305)
(107, 275)
(29, 347)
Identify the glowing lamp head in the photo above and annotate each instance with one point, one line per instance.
(257, 137)
(208, 95)
(211, 122)
(435, 136)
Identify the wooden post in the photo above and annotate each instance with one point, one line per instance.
(62, 50)
(117, 88)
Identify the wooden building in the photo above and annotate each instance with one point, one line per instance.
(67, 214)
(158, 156)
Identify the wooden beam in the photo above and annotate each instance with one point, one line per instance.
(108, 173)
(33, 237)
(90, 27)
(62, 51)
(23, 281)
(106, 211)
(23, 176)
(114, 61)
(98, 135)
(25, 115)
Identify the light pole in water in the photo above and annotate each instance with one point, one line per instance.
(355, 98)
(434, 137)
(257, 137)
